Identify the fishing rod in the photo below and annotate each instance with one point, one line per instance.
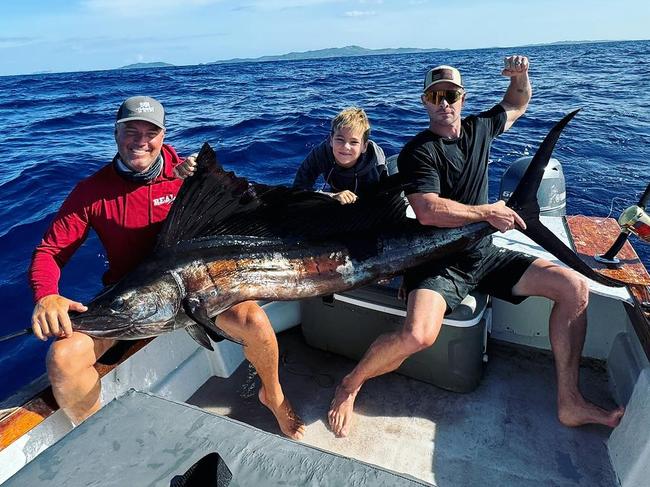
(26, 331)
(633, 220)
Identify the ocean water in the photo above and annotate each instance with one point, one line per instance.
(263, 118)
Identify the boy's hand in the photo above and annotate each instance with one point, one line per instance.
(186, 168)
(345, 197)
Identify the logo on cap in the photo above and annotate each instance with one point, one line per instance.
(145, 107)
(441, 74)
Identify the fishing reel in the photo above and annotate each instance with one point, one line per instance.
(633, 220)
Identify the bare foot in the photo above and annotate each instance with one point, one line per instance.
(341, 411)
(289, 422)
(582, 412)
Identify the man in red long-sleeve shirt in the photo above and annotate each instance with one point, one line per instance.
(126, 202)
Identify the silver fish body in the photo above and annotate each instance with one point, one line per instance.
(150, 301)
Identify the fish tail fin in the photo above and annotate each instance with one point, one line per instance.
(524, 197)
(524, 202)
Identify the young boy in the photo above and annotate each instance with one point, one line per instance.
(347, 160)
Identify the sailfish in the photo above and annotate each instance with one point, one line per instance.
(227, 240)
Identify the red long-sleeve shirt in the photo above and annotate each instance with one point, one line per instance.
(127, 217)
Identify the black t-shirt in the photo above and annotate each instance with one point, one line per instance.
(453, 168)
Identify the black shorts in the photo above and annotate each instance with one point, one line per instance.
(489, 269)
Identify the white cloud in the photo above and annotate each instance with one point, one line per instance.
(285, 4)
(142, 8)
(360, 13)
(7, 42)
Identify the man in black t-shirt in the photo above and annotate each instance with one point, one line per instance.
(444, 169)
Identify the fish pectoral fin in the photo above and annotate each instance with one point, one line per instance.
(199, 335)
(197, 313)
(216, 337)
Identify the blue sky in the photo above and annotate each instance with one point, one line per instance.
(80, 35)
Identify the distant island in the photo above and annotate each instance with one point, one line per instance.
(335, 52)
(564, 43)
(332, 52)
(146, 65)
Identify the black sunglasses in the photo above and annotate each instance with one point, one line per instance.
(450, 96)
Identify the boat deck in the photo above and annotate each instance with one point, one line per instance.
(504, 433)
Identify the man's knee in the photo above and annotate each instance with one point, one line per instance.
(423, 320)
(573, 290)
(416, 339)
(560, 284)
(68, 356)
(248, 317)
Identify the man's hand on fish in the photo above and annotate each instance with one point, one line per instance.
(503, 218)
(50, 317)
(345, 197)
(186, 168)
(515, 66)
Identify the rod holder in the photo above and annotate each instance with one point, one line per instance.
(632, 220)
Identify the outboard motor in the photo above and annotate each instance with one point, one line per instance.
(551, 195)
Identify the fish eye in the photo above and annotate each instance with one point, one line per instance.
(118, 303)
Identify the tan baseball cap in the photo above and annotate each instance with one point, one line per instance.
(142, 108)
(442, 74)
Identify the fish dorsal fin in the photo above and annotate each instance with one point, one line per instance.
(307, 215)
(210, 194)
(216, 202)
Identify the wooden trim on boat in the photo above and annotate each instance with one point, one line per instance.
(593, 236)
(26, 417)
(18, 420)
